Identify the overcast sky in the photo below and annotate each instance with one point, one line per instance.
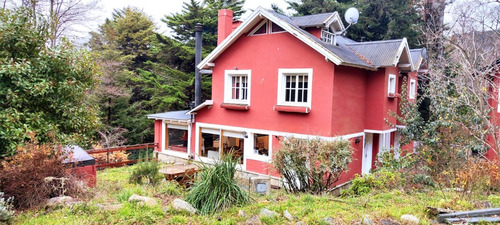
(157, 9)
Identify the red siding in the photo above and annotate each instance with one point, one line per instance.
(357, 159)
(348, 107)
(158, 134)
(264, 55)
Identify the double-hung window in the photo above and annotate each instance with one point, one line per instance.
(237, 86)
(294, 87)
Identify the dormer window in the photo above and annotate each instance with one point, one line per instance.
(391, 86)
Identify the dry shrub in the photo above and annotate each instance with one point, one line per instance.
(478, 175)
(24, 175)
(114, 157)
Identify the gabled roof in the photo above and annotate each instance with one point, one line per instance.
(417, 57)
(384, 53)
(347, 52)
(320, 20)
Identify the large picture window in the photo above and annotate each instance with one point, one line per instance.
(237, 86)
(294, 87)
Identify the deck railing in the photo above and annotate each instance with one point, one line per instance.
(138, 147)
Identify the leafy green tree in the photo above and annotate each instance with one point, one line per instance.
(206, 13)
(378, 20)
(44, 90)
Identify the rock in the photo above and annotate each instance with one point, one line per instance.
(181, 205)
(299, 223)
(328, 220)
(110, 207)
(242, 213)
(411, 219)
(61, 200)
(142, 200)
(287, 215)
(267, 213)
(482, 204)
(254, 220)
(366, 220)
(388, 221)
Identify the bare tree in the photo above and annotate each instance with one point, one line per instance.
(62, 15)
(461, 82)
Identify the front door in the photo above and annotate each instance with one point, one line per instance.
(367, 154)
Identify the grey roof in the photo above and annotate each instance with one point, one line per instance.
(78, 155)
(174, 115)
(379, 53)
(415, 55)
(312, 20)
(347, 55)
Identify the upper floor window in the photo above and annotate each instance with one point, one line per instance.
(391, 85)
(294, 87)
(266, 27)
(237, 86)
(413, 88)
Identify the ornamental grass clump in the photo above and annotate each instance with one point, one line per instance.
(217, 188)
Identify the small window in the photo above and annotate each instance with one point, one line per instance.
(276, 29)
(260, 29)
(294, 87)
(413, 88)
(261, 144)
(391, 89)
(237, 86)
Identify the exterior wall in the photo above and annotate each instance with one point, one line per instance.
(158, 134)
(348, 106)
(377, 103)
(492, 153)
(314, 31)
(87, 174)
(355, 166)
(264, 55)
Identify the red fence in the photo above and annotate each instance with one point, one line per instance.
(117, 149)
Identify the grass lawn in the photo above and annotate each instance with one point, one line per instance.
(113, 188)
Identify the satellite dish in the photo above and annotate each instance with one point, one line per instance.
(351, 15)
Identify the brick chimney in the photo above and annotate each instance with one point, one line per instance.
(224, 25)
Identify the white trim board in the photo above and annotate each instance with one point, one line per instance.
(277, 133)
(380, 131)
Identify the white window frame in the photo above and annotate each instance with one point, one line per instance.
(229, 74)
(270, 28)
(391, 84)
(263, 23)
(412, 90)
(255, 156)
(282, 73)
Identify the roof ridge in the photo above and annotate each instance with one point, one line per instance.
(313, 14)
(375, 42)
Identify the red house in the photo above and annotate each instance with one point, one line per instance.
(275, 76)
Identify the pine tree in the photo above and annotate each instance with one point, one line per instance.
(205, 13)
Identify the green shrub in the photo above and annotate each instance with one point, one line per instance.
(6, 211)
(169, 188)
(217, 188)
(146, 172)
(312, 165)
(380, 180)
